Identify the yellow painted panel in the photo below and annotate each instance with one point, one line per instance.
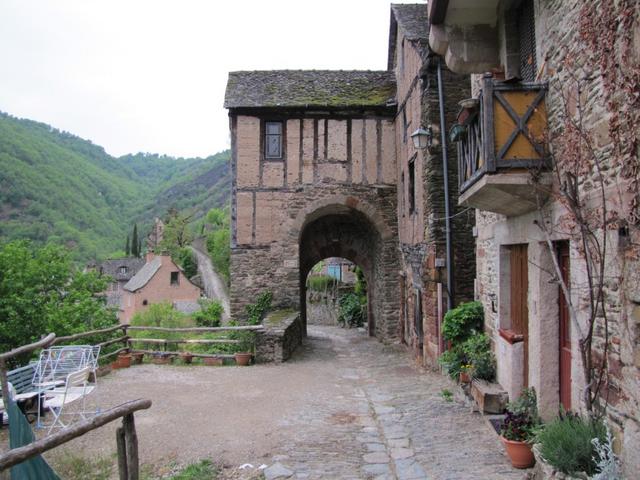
(504, 125)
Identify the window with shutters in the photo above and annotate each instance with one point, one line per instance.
(412, 185)
(273, 140)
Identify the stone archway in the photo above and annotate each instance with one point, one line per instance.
(340, 230)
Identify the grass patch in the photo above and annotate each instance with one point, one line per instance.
(202, 470)
(447, 395)
(73, 467)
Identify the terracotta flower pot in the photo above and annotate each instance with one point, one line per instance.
(520, 453)
(242, 358)
(465, 377)
(137, 358)
(213, 361)
(161, 359)
(124, 360)
(186, 357)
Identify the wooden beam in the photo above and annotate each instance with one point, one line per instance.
(122, 455)
(198, 355)
(90, 333)
(200, 329)
(162, 341)
(131, 446)
(45, 342)
(111, 342)
(19, 455)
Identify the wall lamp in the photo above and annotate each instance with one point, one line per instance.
(422, 138)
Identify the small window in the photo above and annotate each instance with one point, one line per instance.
(412, 185)
(273, 140)
(144, 302)
(405, 125)
(335, 271)
(175, 278)
(123, 269)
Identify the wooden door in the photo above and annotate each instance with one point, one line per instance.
(565, 329)
(519, 297)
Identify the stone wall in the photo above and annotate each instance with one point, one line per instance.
(422, 230)
(574, 55)
(336, 168)
(282, 334)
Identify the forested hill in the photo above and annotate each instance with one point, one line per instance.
(57, 187)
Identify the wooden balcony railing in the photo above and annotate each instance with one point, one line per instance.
(503, 132)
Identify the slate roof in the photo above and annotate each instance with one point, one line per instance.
(413, 20)
(309, 88)
(145, 274)
(112, 267)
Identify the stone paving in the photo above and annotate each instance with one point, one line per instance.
(385, 419)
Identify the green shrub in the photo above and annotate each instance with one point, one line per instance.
(351, 311)
(257, 311)
(320, 283)
(566, 443)
(478, 354)
(210, 313)
(246, 340)
(462, 322)
(452, 361)
(187, 260)
(160, 315)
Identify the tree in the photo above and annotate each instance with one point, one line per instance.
(176, 233)
(41, 292)
(127, 248)
(135, 244)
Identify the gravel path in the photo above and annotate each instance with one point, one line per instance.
(345, 407)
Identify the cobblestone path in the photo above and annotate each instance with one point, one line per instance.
(384, 419)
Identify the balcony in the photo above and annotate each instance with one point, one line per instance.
(501, 143)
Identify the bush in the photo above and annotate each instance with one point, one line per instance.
(320, 283)
(452, 361)
(257, 311)
(160, 315)
(246, 340)
(219, 248)
(566, 443)
(187, 260)
(462, 322)
(210, 313)
(351, 311)
(478, 354)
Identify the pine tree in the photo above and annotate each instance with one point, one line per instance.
(140, 248)
(127, 248)
(135, 244)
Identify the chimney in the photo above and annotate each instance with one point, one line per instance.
(149, 256)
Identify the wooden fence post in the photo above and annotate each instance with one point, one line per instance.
(131, 444)
(122, 455)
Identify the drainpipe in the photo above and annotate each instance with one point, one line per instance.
(445, 173)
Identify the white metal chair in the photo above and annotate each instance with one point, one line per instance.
(56, 363)
(76, 387)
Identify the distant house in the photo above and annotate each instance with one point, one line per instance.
(121, 270)
(340, 269)
(159, 280)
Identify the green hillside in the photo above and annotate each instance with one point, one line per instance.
(57, 187)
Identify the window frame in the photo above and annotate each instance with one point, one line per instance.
(176, 275)
(265, 136)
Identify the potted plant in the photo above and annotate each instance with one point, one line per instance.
(465, 373)
(186, 357)
(161, 358)
(519, 428)
(124, 360)
(213, 361)
(137, 357)
(244, 348)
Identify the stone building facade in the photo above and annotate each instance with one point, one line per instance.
(340, 185)
(421, 199)
(563, 80)
(314, 176)
(159, 280)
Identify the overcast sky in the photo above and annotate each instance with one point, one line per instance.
(149, 75)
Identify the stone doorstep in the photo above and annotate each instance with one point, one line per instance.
(490, 397)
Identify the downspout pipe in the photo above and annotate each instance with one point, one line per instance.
(445, 174)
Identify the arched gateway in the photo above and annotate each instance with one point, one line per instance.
(314, 176)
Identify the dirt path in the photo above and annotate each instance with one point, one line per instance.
(345, 407)
(214, 286)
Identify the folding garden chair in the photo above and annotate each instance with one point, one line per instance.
(75, 388)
